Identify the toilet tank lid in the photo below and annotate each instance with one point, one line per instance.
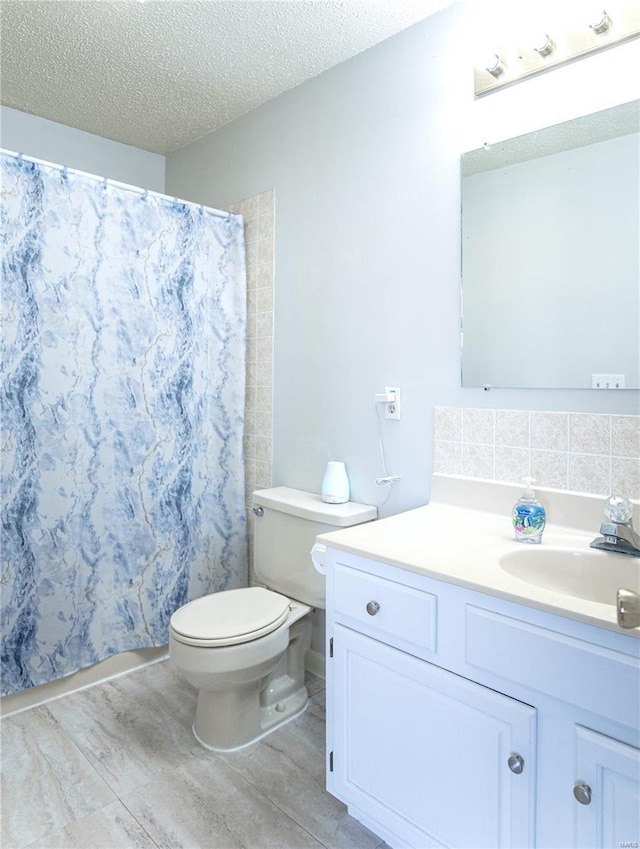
(309, 505)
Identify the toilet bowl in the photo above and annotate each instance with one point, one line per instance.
(244, 649)
(236, 705)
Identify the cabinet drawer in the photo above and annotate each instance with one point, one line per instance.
(599, 680)
(398, 614)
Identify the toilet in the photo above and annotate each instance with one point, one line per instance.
(244, 649)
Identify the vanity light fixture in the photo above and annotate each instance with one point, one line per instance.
(515, 56)
(544, 45)
(602, 23)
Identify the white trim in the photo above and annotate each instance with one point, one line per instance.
(106, 670)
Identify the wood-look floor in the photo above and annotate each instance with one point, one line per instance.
(116, 766)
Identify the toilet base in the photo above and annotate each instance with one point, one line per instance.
(241, 709)
(271, 718)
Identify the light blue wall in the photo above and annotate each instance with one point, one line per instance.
(62, 145)
(365, 164)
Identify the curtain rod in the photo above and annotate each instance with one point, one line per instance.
(109, 182)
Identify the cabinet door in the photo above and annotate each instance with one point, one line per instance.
(426, 753)
(608, 786)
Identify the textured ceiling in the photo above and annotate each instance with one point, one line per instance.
(162, 73)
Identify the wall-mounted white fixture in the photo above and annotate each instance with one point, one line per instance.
(495, 65)
(608, 381)
(601, 23)
(392, 400)
(544, 45)
(512, 57)
(393, 408)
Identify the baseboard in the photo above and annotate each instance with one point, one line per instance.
(112, 667)
(315, 662)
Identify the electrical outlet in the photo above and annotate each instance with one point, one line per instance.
(607, 381)
(393, 409)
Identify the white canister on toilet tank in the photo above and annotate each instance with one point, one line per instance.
(335, 484)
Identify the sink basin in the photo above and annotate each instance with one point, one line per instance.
(589, 575)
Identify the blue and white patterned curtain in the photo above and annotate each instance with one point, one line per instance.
(123, 361)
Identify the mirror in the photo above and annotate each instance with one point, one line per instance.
(551, 256)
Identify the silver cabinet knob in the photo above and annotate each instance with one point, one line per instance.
(372, 608)
(516, 763)
(582, 792)
(257, 511)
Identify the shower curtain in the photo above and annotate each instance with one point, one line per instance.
(123, 340)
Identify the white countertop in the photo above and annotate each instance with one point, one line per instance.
(463, 546)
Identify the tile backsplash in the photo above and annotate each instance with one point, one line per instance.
(583, 452)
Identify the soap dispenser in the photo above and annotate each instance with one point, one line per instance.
(529, 516)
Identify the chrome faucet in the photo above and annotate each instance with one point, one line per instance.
(618, 534)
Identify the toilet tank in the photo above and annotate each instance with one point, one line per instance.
(286, 530)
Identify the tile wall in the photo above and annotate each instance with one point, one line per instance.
(259, 223)
(583, 452)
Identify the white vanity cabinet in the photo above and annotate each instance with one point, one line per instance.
(425, 753)
(608, 784)
(458, 719)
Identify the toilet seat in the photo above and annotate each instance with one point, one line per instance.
(230, 617)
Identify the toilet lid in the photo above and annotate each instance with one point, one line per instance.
(230, 617)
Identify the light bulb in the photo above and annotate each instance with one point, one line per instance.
(544, 44)
(601, 22)
(494, 64)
